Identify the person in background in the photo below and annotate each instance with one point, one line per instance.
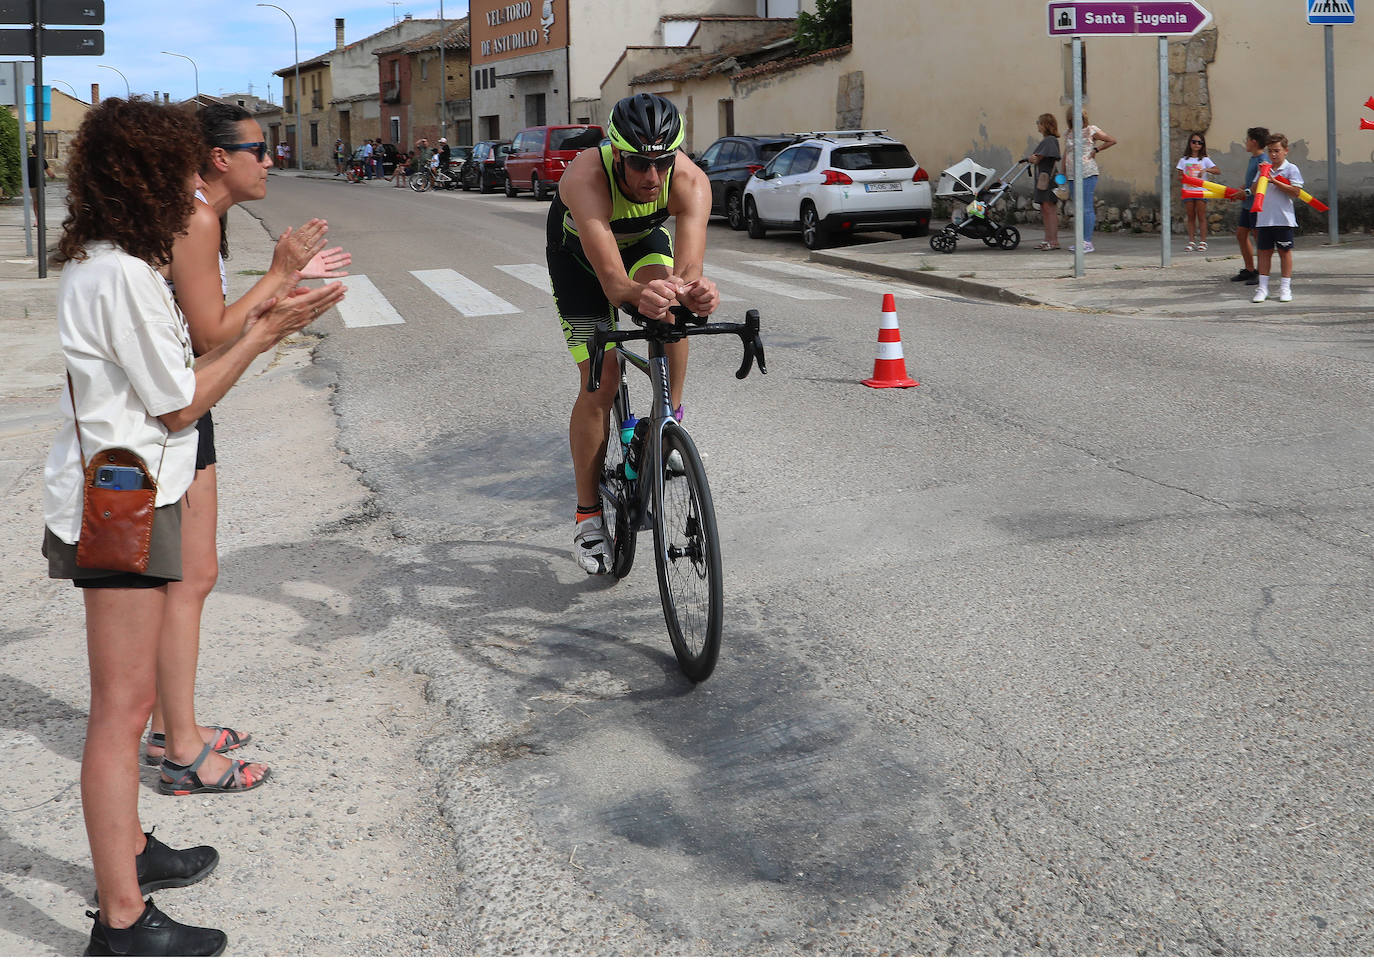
(1045, 158)
(1276, 221)
(340, 157)
(36, 165)
(366, 151)
(1255, 141)
(1195, 163)
(398, 175)
(1094, 141)
(133, 382)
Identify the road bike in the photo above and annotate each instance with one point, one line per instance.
(653, 478)
(434, 177)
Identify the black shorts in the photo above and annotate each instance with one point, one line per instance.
(1247, 217)
(1275, 238)
(577, 294)
(205, 447)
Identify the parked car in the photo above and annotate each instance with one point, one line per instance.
(539, 155)
(729, 162)
(485, 168)
(839, 182)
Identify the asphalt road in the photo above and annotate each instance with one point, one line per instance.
(1065, 651)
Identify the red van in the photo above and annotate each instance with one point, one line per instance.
(539, 155)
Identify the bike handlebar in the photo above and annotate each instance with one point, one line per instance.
(685, 324)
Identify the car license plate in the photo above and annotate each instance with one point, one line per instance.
(882, 187)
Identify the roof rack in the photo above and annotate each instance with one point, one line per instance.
(843, 133)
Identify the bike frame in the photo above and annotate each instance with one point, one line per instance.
(655, 366)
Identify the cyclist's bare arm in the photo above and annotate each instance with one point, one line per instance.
(689, 201)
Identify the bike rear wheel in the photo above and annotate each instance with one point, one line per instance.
(421, 181)
(687, 552)
(615, 491)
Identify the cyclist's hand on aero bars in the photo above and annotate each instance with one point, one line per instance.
(700, 296)
(657, 296)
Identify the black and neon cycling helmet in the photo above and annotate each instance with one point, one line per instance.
(646, 124)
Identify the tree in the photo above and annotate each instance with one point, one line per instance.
(832, 25)
(10, 157)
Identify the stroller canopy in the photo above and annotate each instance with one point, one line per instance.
(965, 178)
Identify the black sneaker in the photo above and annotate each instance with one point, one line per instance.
(154, 934)
(160, 867)
(1246, 276)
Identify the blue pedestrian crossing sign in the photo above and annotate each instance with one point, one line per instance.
(1330, 11)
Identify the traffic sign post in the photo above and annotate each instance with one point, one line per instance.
(1103, 18)
(34, 42)
(1326, 13)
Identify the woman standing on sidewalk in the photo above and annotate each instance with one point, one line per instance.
(233, 170)
(133, 383)
(1094, 141)
(1046, 158)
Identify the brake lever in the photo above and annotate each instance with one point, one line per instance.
(753, 346)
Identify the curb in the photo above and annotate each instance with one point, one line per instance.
(958, 285)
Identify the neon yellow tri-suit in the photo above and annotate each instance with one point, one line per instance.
(643, 241)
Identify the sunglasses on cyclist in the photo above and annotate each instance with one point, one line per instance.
(259, 148)
(641, 163)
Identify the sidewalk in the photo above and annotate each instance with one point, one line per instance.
(1123, 275)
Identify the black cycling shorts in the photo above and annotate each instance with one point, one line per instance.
(577, 294)
(1274, 238)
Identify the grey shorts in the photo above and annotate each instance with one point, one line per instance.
(164, 557)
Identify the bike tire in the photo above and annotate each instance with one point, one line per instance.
(421, 182)
(687, 555)
(615, 491)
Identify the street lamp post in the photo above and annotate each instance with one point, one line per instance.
(127, 94)
(68, 84)
(295, 40)
(193, 68)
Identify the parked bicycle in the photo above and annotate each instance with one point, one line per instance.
(653, 478)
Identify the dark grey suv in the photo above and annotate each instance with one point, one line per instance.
(485, 168)
(729, 162)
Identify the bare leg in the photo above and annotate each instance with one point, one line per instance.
(179, 648)
(588, 428)
(1286, 263)
(1247, 247)
(122, 628)
(1266, 259)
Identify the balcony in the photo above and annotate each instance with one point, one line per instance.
(391, 93)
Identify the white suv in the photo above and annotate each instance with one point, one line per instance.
(837, 182)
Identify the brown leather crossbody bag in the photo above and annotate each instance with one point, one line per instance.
(117, 510)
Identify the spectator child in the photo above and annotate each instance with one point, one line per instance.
(1274, 227)
(1255, 141)
(1196, 163)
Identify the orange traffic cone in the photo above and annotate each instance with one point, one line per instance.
(889, 368)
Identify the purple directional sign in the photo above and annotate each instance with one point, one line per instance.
(1101, 18)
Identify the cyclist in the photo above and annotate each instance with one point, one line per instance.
(607, 246)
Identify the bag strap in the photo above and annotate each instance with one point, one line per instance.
(71, 390)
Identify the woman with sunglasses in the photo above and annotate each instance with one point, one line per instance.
(133, 382)
(234, 170)
(607, 246)
(1196, 163)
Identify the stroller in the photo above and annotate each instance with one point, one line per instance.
(968, 182)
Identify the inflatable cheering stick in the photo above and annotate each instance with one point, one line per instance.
(1261, 186)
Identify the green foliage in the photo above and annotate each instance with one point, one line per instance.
(9, 155)
(832, 25)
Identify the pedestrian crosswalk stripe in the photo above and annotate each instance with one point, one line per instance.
(364, 306)
(470, 299)
(812, 272)
(794, 291)
(536, 275)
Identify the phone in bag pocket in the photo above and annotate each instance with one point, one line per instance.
(120, 478)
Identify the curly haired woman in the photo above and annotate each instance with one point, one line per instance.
(134, 383)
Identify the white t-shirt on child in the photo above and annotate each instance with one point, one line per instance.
(1278, 205)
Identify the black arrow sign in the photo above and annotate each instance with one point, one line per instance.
(56, 43)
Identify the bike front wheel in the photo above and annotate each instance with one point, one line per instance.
(421, 181)
(616, 491)
(687, 551)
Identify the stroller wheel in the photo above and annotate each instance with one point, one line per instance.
(944, 241)
(1008, 237)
